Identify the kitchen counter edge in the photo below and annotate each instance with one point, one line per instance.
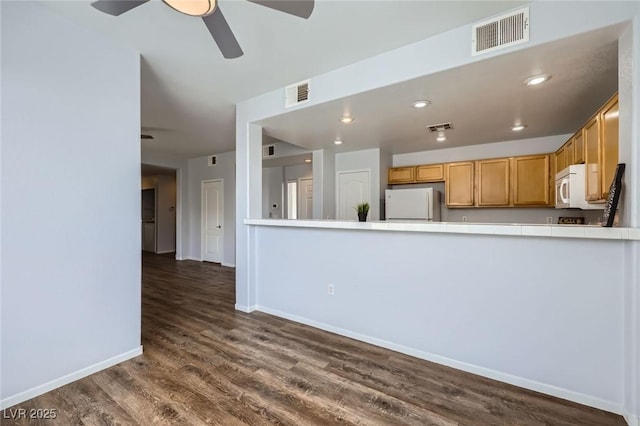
(520, 230)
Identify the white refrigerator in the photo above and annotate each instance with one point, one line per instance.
(412, 204)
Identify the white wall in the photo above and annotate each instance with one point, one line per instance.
(324, 184)
(555, 329)
(70, 203)
(198, 171)
(629, 82)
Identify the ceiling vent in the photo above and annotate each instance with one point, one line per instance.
(440, 127)
(212, 161)
(296, 94)
(500, 32)
(268, 151)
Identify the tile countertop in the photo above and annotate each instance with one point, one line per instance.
(512, 229)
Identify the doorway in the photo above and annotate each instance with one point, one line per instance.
(212, 229)
(352, 188)
(305, 210)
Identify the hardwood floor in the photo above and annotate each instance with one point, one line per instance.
(205, 363)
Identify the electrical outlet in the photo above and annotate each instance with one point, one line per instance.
(464, 218)
(330, 289)
(549, 219)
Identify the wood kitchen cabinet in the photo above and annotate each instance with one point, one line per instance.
(560, 158)
(578, 148)
(593, 179)
(492, 182)
(430, 173)
(397, 175)
(530, 180)
(608, 145)
(459, 184)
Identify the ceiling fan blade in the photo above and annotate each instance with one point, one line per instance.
(222, 34)
(116, 7)
(301, 8)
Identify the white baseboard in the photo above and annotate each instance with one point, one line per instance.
(64, 380)
(522, 382)
(631, 419)
(228, 265)
(246, 309)
(165, 251)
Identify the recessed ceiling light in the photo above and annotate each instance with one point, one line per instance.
(346, 119)
(307, 160)
(537, 79)
(518, 127)
(441, 138)
(420, 104)
(337, 142)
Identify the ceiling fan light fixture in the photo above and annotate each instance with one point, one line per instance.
(199, 8)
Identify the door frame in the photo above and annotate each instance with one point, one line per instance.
(300, 194)
(342, 172)
(203, 215)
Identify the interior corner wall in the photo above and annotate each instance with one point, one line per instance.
(198, 171)
(70, 203)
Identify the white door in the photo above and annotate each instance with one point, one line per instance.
(212, 220)
(353, 188)
(305, 200)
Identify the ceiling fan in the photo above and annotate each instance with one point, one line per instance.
(212, 16)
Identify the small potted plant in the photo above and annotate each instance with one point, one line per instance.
(363, 210)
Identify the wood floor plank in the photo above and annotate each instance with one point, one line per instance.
(206, 364)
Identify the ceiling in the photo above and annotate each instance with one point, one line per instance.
(482, 101)
(189, 90)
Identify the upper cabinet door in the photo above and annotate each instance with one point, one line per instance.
(560, 158)
(609, 144)
(530, 180)
(578, 148)
(492, 181)
(430, 173)
(459, 184)
(593, 181)
(401, 175)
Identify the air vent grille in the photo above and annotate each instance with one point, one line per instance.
(303, 92)
(500, 32)
(212, 161)
(440, 127)
(268, 151)
(296, 94)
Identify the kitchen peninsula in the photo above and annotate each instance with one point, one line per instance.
(556, 313)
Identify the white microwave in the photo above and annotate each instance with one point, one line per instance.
(570, 189)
